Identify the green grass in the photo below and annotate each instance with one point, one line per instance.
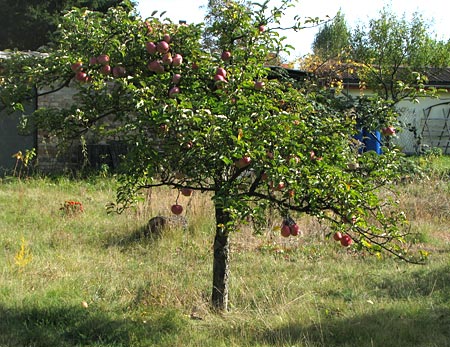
(145, 292)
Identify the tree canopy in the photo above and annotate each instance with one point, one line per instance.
(28, 25)
(332, 39)
(219, 122)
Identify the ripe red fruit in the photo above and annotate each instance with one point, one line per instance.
(103, 59)
(155, 66)
(173, 92)
(176, 78)
(243, 162)
(346, 240)
(294, 229)
(92, 60)
(105, 70)
(162, 47)
(389, 131)
(285, 230)
(226, 55)
(76, 66)
(280, 186)
(337, 236)
(166, 38)
(221, 71)
(177, 60)
(219, 78)
(81, 76)
(259, 85)
(261, 28)
(177, 209)
(150, 47)
(118, 71)
(186, 191)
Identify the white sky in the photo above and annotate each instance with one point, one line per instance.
(437, 12)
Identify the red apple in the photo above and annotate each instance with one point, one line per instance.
(261, 28)
(103, 59)
(92, 60)
(81, 76)
(221, 71)
(166, 38)
(150, 47)
(346, 240)
(76, 66)
(105, 70)
(177, 209)
(176, 78)
(173, 92)
(389, 131)
(162, 47)
(294, 229)
(177, 60)
(337, 236)
(259, 85)
(243, 162)
(280, 186)
(219, 78)
(285, 230)
(226, 55)
(186, 191)
(118, 71)
(155, 66)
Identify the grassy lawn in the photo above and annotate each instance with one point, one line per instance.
(94, 279)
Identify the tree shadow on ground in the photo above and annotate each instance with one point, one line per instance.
(419, 316)
(386, 328)
(138, 236)
(71, 326)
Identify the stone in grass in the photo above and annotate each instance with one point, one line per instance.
(157, 225)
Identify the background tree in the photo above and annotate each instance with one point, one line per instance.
(395, 55)
(214, 122)
(27, 25)
(332, 39)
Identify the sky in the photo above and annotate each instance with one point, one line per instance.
(436, 12)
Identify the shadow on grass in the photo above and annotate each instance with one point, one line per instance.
(70, 326)
(386, 328)
(138, 236)
(415, 311)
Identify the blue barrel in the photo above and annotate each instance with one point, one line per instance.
(370, 139)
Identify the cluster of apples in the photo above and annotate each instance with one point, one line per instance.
(289, 227)
(344, 239)
(162, 60)
(102, 62)
(220, 77)
(176, 208)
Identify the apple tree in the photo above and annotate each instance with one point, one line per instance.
(217, 121)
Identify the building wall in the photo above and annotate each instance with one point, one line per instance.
(427, 123)
(11, 141)
(51, 155)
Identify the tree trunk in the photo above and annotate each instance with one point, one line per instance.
(221, 262)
